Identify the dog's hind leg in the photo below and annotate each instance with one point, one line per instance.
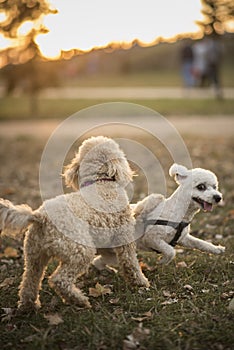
(63, 281)
(129, 266)
(35, 261)
(64, 278)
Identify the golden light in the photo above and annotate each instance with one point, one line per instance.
(85, 25)
(25, 28)
(229, 26)
(4, 42)
(47, 48)
(3, 17)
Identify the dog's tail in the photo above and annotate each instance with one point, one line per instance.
(144, 207)
(15, 219)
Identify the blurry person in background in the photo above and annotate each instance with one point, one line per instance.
(200, 63)
(187, 65)
(206, 63)
(214, 56)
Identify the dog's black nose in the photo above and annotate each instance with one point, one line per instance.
(217, 198)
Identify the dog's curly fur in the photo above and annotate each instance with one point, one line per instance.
(65, 227)
(198, 189)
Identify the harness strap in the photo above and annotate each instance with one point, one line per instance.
(178, 226)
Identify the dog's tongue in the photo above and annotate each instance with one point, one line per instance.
(208, 206)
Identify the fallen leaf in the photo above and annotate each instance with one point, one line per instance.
(166, 293)
(226, 283)
(224, 295)
(227, 295)
(211, 227)
(138, 319)
(53, 319)
(118, 311)
(7, 261)
(147, 314)
(181, 264)
(138, 335)
(144, 266)
(114, 301)
(179, 250)
(99, 290)
(7, 282)
(205, 291)
(231, 212)
(144, 316)
(9, 252)
(170, 301)
(30, 338)
(8, 314)
(188, 287)
(129, 345)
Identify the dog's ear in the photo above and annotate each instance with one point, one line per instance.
(120, 170)
(180, 172)
(71, 173)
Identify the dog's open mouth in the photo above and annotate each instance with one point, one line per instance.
(205, 205)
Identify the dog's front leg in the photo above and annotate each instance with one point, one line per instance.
(167, 251)
(129, 266)
(193, 242)
(153, 242)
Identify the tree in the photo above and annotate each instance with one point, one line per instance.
(16, 13)
(216, 15)
(20, 58)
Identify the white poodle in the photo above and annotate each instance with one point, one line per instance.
(165, 222)
(70, 227)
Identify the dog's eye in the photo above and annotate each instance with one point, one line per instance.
(214, 187)
(201, 187)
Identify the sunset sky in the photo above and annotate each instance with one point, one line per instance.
(87, 24)
(84, 24)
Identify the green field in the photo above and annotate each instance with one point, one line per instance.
(163, 77)
(19, 108)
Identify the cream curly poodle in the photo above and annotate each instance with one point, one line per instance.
(72, 226)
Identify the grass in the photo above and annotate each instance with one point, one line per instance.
(13, 108)
(186, 306)
(176, 317)
(163, 77)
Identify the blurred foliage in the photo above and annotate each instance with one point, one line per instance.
(216, 14)
(17, 13)
(20, 59)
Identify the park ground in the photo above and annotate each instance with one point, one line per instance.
(187, 305)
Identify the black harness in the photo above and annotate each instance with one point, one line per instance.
(178, 226)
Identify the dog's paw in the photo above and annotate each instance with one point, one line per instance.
(220, 249)
(98, 263)
(28, 307)
(142, 281)
(164, 261)
(167, 258)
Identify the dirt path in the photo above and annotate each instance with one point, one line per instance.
(132, 92)
(202, 126)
